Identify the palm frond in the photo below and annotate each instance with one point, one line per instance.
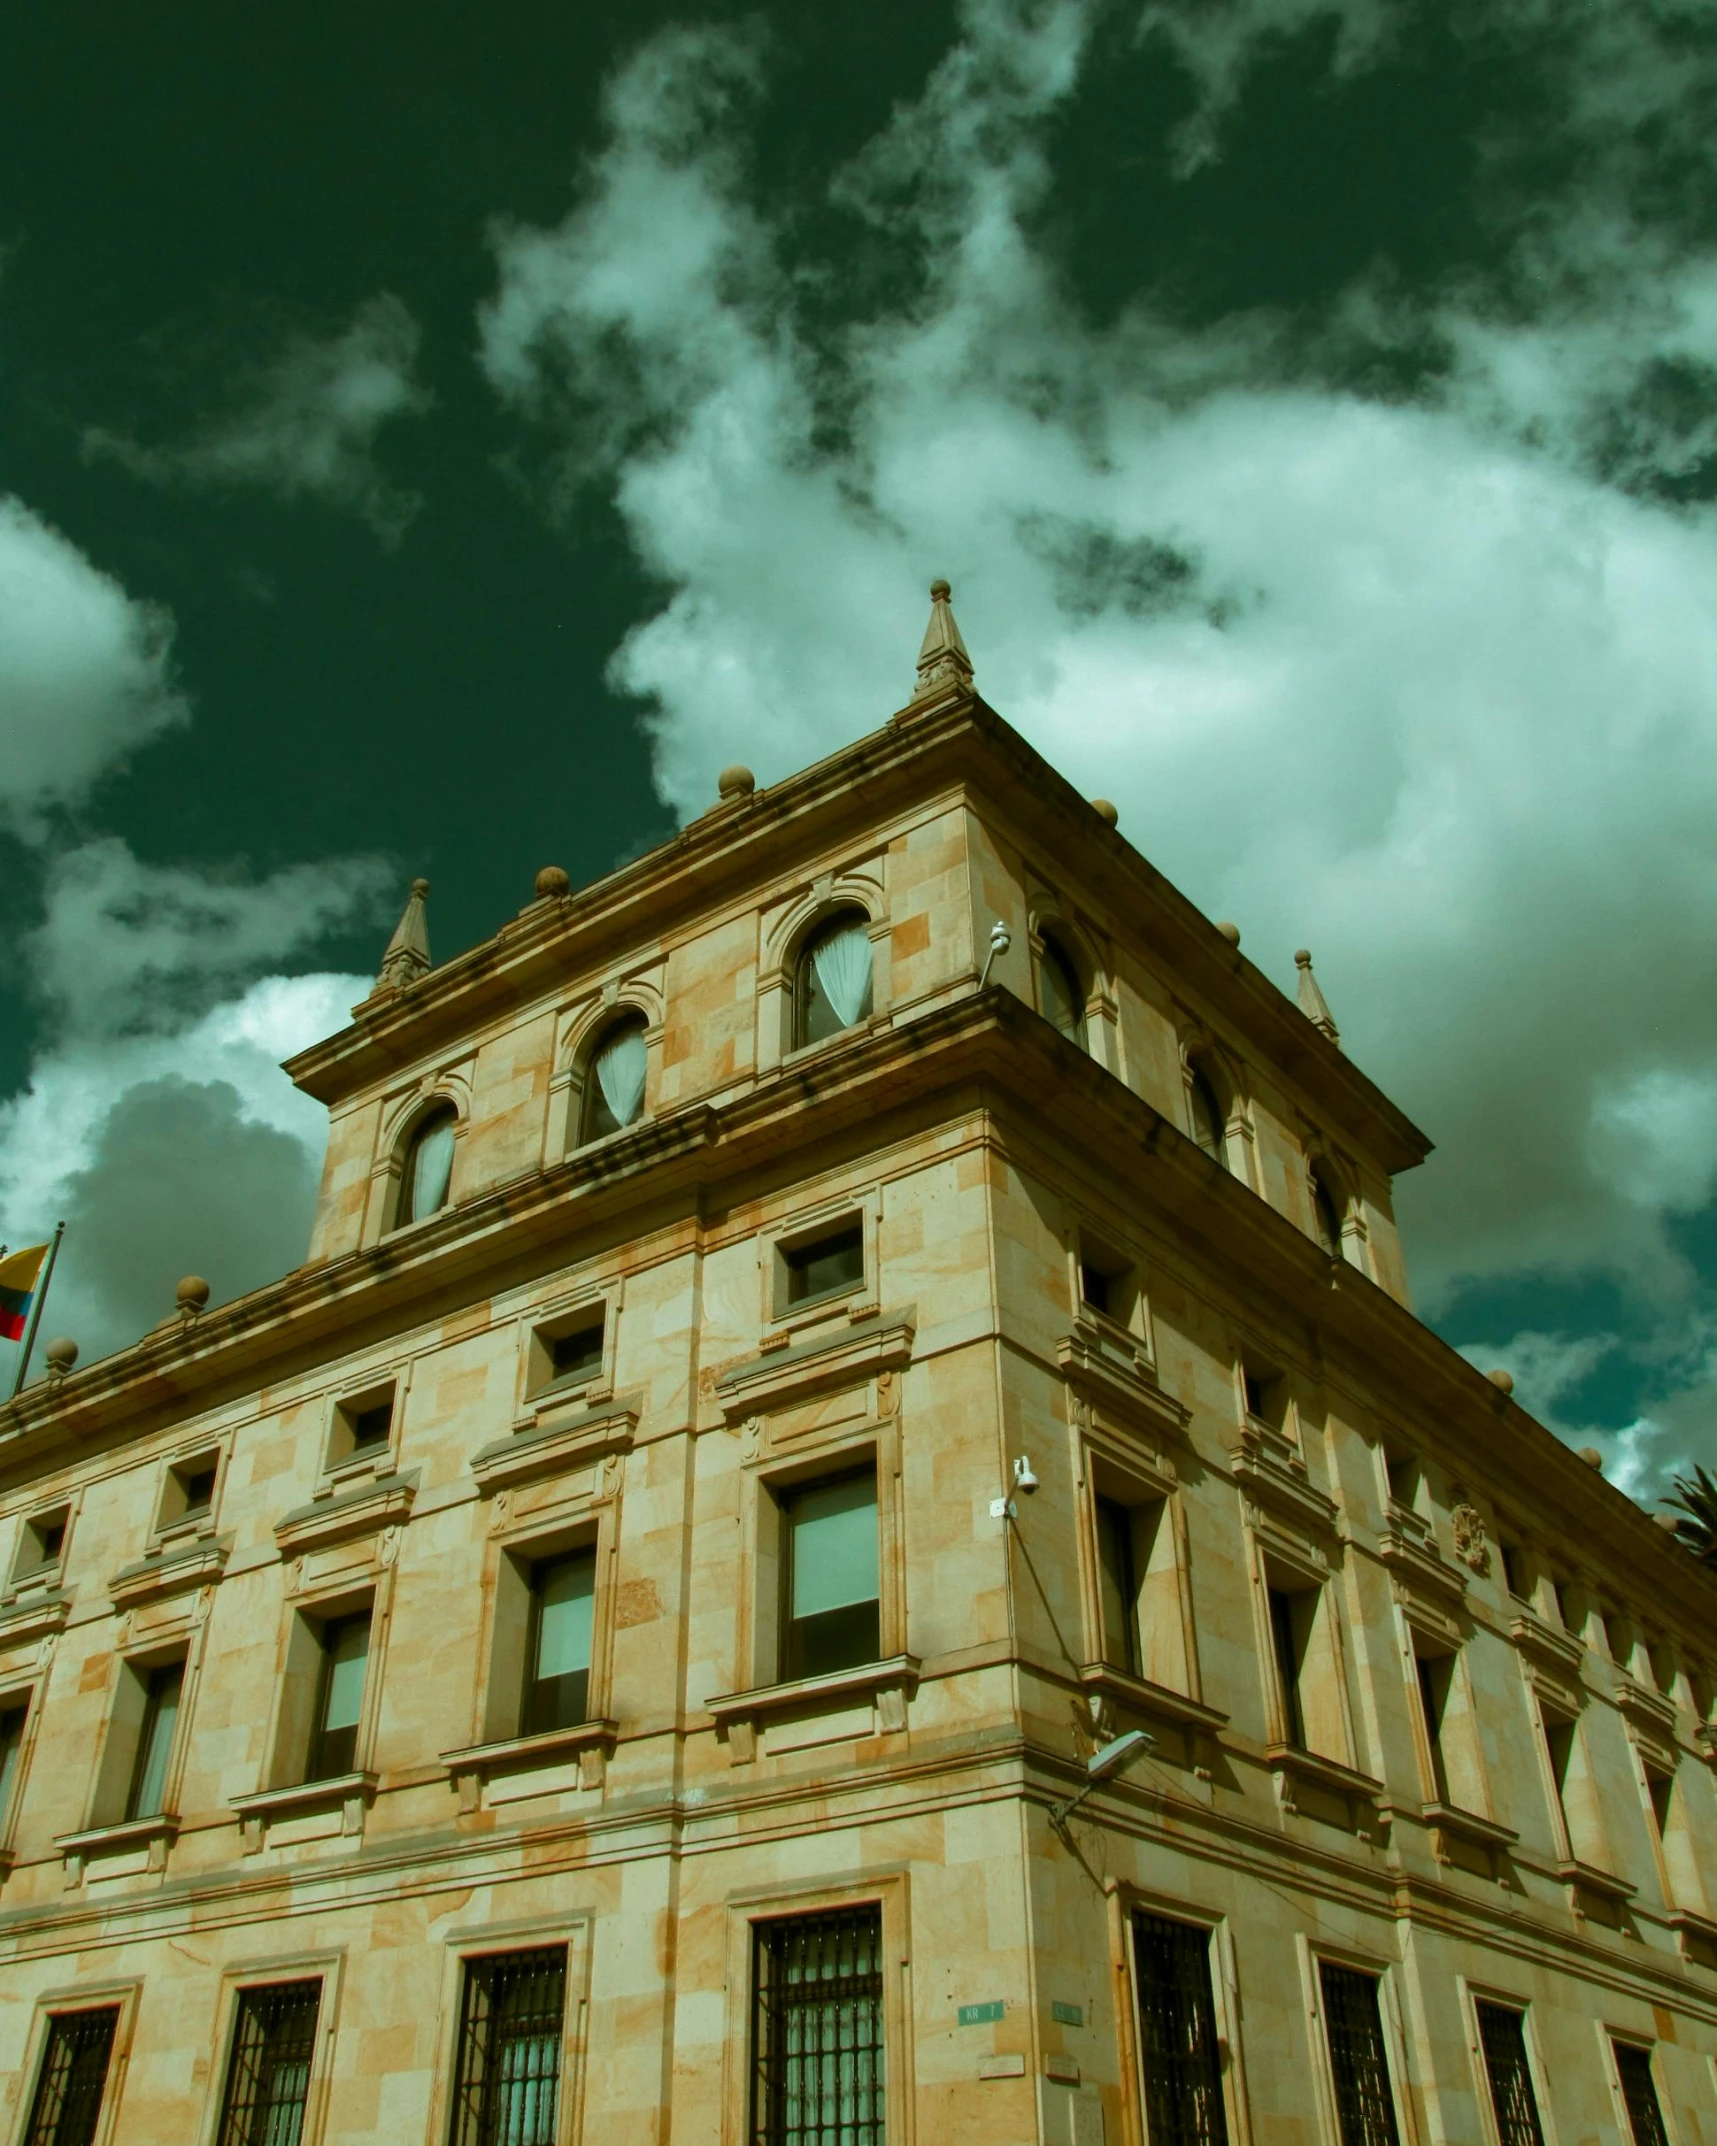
(1696, 1497)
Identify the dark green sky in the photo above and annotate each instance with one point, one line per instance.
(1233, 360)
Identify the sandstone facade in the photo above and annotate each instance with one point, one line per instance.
(1429, 1701)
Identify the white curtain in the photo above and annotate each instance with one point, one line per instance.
(843, 969)
(620, 1073)
(431, 1167)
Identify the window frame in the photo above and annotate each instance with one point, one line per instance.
(1615, 2040)
(792, 1232)
(341, 1455)
(483, 1940)
(786, 1496)
(1051, 951)
(440, 1109)
(530, 1682)
(32, 1526)
(542, 1326)
(120, 1749)
(1108, 1467)
(764, 2129)
(63, 2002)
(173, 1515)
(17, 1697)
(1398, 2076)
(823, 924)
(1474, 1998)
(315, 1771)
(298, 1671)
(1124, 1902)
(622, 1018)
(326, 1966)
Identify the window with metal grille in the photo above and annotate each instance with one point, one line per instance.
(506, 2090)
(1177, 2035)
(268, 2076)
(817, 2069)
(67, 2106)
(1639, 2094)
(1353, 2023)
(1502, 2036)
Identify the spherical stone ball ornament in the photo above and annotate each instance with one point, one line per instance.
(192, 1294)
(1593, 1457)
(736, 781)
(1503, 1381)
(1231, 932)
(61, 1353)
(1105, 812)
(551, 882)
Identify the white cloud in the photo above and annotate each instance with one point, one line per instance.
(303, 423)
(85, 671)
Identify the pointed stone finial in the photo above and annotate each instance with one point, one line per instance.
(1313, 1004)
(407, 957)
(943, 659)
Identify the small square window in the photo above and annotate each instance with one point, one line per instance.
(42, 1544)
(1515, 1571)
(188, 1494)
(1266, 1397)
(363, 1426)
(823, 1266)
(569, 1350)
(1405, 1476)
(1106, 1282)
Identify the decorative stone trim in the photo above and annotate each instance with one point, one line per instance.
(1362, 1795)
(556, 1443)
(1267, 1466)
(1559, 1651)
(353, 1792)
(331, 1519)
(1588, 1888)
(867, 1348)
(891, 1683)
(1448, 1822)
(1098, 1375)
(1649, 1711)
(156, 1834)
(171, 1570)
(1695, 1936)
(1428, 1587)
(1137, 1692)
(590, 1742)
(22, 1623)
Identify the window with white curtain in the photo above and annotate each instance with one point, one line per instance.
(832, 989)
(428, 1165)
(614, 1079)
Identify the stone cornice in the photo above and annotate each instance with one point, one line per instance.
(983, 1052)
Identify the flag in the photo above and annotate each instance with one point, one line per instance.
(18, 1276)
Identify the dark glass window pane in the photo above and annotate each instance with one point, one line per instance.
(340, 1698)
(1094, 1288)
(507, 2086)
(1434, 1679)
(372, 1427)
(1118, 1584)
(1365, 2107)
(1061, 1000)
(268, 2076)
(1326, 1216)
(1177, 2035)
(577, 1355)
(1639, 2094)
(1285, 1633)
(557, 1668)
(818, 2074)
(155, 1741)
(826, 1264)
(49, 1539)
(1502, 2036)
(831, 1576)
(67, 2106)
(1209, 1120)
(199, 1490)
(12, 1721)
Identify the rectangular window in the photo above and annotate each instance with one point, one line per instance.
(1353, 2024)
(268, 2075)
(1118, 1579)
(506, 2089)
(339, 1697)
(1405, 1476)
(67, 2106)
(42, 1543)
(1266, 1397)
(1661, 1787)
(578, 1354)
(1094, 1287)
(1559, 1743)
(1290, 1627)
(12, 1720)
(557, 1653)
(1177, 2034)
(817, 2060)
(825, 1266)
(148, 1785)
(1435, 1674)
(1502, 2037)
(832, 1576)
(372, 1427)
(1639, 2094)
(1515, 1572)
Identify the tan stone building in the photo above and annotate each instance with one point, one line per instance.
(785, 1375)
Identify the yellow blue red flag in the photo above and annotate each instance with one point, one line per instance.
(18, 1276)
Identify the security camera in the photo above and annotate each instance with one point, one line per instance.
(1023, 1477)
(1000, 941)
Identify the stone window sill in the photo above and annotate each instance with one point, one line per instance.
(1602, 1885)
(590, 1742)
(1362, 1795)
(155, 1834)
(353, 1793)
(888, 1684)
(1148, 1698)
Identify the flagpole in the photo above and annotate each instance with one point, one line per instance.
(36, 1310)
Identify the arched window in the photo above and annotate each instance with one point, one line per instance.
(428, 1164)
(614, 1078)
(1326, 1214)
(1209, 1119)
(1060, 995)
(832, 987)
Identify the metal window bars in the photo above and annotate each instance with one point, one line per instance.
(1502, 2037)
(818, 2068)
(506, 2091)
(1353, 2023)
(1178, 2055)
(1639, 2094)
(67, 2106)
(268, 2074)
